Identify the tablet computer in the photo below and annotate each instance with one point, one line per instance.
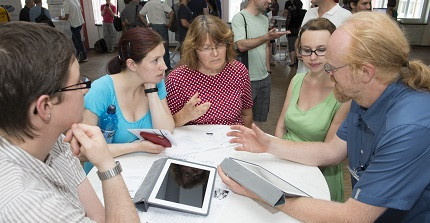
(184, 186)
(287, 188)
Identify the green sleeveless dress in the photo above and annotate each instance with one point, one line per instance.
(312, 126)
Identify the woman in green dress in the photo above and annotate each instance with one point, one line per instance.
(310, 112)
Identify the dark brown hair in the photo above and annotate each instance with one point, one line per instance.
(316, 24)
(134, 44)
(34, 61)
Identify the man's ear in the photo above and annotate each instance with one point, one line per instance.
(352, 5)
(131, 65)
(43, 107)
(368, 72)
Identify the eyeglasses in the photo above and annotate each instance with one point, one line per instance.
(209, 50)
(330, 69)
(84, 83)
(308, 52)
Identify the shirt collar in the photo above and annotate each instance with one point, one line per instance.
(333, 10)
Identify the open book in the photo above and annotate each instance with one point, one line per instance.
(259, 180)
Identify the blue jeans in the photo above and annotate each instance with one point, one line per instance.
(76, 37)
(164, 33)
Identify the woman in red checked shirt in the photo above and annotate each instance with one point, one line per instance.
(209, 86)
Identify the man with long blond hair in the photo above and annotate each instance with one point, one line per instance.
(385, 135)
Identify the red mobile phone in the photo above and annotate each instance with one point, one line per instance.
(156, 139)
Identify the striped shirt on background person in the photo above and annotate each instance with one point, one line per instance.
(36, 191)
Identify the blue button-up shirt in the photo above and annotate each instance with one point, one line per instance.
(389, 153)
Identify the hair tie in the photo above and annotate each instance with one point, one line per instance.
(405, 64)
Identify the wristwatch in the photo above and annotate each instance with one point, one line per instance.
(151, 90)
(110, 173)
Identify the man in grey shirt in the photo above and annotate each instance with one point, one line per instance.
(156, 11)
(130, 16)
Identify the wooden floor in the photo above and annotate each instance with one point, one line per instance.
(281, 76)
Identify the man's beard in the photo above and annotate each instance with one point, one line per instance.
(340, 97)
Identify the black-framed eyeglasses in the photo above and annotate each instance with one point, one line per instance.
(84, 83)
(305, 52)
(330, 69)
(209, 50)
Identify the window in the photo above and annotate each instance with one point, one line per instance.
(409, 11)
(98, 19)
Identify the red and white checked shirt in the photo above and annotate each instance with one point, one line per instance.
(229, 92)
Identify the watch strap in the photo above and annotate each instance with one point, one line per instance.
(151, 90)
(110, 173)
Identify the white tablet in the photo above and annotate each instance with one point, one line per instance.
(184, 186)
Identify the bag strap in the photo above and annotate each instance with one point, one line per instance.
(246, 30)
(42, 11)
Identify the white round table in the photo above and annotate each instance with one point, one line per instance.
(208, 144)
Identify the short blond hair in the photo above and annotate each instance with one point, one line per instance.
(378, 40)
(202, 27)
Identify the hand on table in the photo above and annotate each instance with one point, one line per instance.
(147, 146)
(88, 141)
(253, 140)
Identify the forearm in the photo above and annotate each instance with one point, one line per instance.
(280, 129)
(118, 203)
(248, 44)
(314, 210)
(308, 153)
(161, 116)
(247, 117)
(181, 118)
(118, 149)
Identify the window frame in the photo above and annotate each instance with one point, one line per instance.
(423, 20)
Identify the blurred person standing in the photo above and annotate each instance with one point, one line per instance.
(24, 14)
(295, 14)
(185, 16)
(73, 14)
(360, 5)
(254, 37)
(108, 12)
(131, 17)
(160, 17)
(37, 10)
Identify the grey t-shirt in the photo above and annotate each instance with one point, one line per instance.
(130, 13)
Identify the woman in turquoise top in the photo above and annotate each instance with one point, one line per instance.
(138, 67)
(310, 112)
